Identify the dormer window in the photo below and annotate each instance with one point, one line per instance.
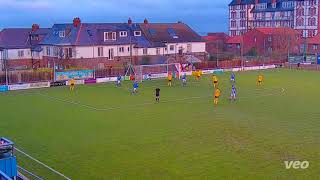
(261, 6)
(274, 5)
(62, 34)
(137, 33)
(123, 33)
(110, 36)
(34, 38)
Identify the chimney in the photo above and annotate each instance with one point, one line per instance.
(35, 27)
(146, 21)
(129, 21)
(76, 22)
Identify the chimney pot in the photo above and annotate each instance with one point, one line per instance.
(146, 21)
(35, 27)
(76, 22)
(129, 21)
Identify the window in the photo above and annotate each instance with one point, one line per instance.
(233, 15)
(242, 23)
(171, 47)
(300, 11)
(110, 36)
(121, 49)
(300, 22)
(137, 33)
(189, 48)
(233, 24)
(100, 51)
(312, 11)
(261, 6)
(68, 53)
(312, 21)
(288, 4)
(128, 49)
(55, 51)
(34, 38)
(269, 38)
(110, 54)
(158, 51)
(20, 53)
(315, 47)
(62, 34)
(145, 51)
(242, 14)
(123, 33)
(48, 51)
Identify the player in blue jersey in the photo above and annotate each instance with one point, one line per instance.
(233, 78)
(184, 79)
(118, 83)
(135, 87)
(233, 94)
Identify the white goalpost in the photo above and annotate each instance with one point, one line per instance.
(156, 71)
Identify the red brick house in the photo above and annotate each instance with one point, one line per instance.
(266, 42)
(216, 43)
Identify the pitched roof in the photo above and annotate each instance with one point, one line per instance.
(314, 40)
(158, 33)
(279, 30)
(18, 38)
(235, 2)
(235, 40)
(215, 37)
(87, 34)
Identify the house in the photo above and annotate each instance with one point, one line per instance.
(266, 42)
(97, 45)
(19, 47)
(301, 15)
(216, 44)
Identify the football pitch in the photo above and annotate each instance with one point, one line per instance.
(103, 132)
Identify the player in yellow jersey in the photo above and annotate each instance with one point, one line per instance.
(72, 84)
(217, 94)
(215, 81)
(260, 80)
(170, 79)
(198, 75)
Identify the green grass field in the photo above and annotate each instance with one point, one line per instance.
(103, 132)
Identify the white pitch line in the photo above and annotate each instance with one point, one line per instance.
(143, 104)
(69, 102)
(48, 167)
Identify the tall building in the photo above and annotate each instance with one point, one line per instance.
(302, 15)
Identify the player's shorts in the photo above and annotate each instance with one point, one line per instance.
(118, 82)
(215, 82)
(216, 97)
(233, 95)
(72, 84)
(157, 95)
(135, 89)
(184, 80)
(169, 80)
(259, 81)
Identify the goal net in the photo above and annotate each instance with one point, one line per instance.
(156, 71)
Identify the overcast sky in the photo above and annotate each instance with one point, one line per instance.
(202, 15)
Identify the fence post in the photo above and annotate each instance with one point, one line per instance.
(7, 79)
